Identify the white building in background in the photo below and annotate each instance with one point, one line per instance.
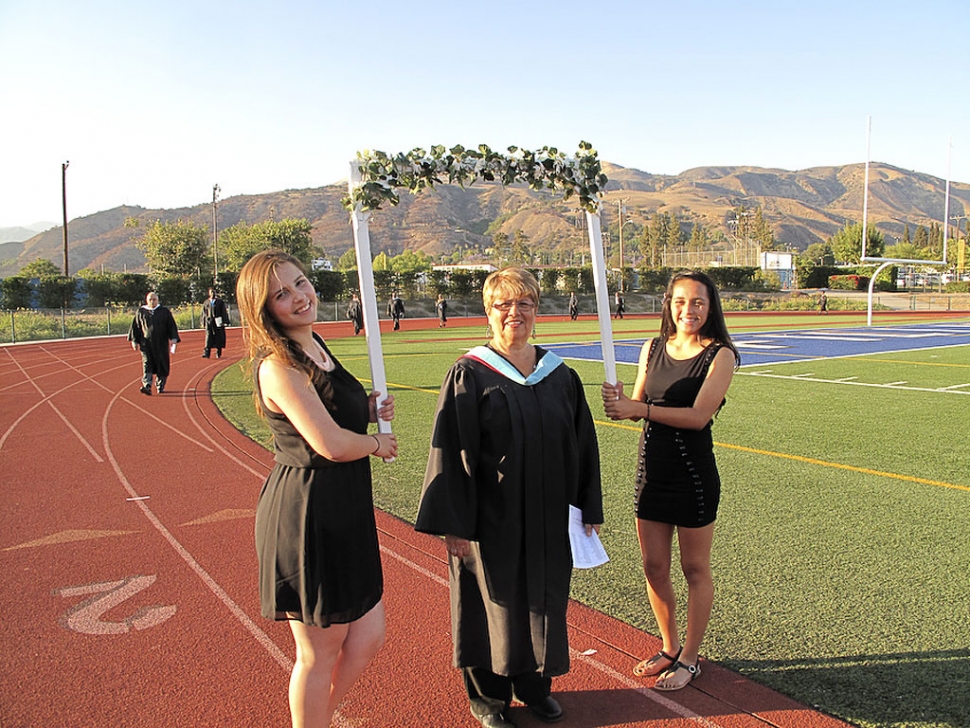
(322, 264)
(782, 264)
(488, 267)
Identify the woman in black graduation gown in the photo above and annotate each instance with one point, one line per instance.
(513, 447)
(319, 560)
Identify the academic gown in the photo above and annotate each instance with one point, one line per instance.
(215, 335)
(508, 456)
(152, 329)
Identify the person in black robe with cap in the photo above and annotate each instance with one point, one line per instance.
(154, 333)
(513, 447)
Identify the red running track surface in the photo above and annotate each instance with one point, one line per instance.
(129, 575)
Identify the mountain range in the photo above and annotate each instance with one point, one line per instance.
(802, 207)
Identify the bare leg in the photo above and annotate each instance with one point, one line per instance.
(364, 638)
(328, 663)
(655, 548)
(695, 560)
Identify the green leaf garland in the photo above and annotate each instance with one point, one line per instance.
(546, 169)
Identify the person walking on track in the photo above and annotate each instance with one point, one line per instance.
(154, 333)
(395, 309)
(441, 306)
(355, 312)
(316, 537)
(215, 319)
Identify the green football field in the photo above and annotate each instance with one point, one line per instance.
(842, 548)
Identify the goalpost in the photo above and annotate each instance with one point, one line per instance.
(886, 262)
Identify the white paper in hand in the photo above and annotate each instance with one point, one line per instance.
(587, 551)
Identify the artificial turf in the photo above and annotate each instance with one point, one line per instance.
(842, 548)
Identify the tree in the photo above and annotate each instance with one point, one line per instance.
(56, 291)
(847, 243)
(818, 254)
(698, 238)
(411, 262)
(503, 247)
(761, 231)
(39, 268)
(381, 262)
(521, 254)
(329, 284)
(16, 291)
(242, 241)
(347, 261)
(921, 239)
(175, 250)
(675, 237)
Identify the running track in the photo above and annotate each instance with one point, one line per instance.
(128, 575)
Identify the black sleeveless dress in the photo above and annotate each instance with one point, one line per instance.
(677, 480)
(316, 536)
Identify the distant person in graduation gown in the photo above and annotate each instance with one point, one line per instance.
(620, 305)
(513, 447)
(154, 333)
(395, 309)
(316, 538)
(573, 306)
(215, 319)
(355, 312)
(441, 306)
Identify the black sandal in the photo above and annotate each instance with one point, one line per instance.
(649, 667)
(693, 672)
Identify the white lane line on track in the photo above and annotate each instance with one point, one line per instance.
(47, 399)
(205, 430)
(611, 673)
(261, 637)
(812, 378)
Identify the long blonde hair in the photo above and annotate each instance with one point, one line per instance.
(263, 335)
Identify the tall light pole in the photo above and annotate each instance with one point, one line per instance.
(67, 271)
(619, 209)
(215, 246)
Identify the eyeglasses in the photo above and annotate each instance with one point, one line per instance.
(525, 306)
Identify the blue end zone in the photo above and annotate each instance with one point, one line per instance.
(792, 346)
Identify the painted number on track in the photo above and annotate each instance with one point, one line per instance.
(85, 617)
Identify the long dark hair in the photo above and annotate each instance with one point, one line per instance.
(714, 328)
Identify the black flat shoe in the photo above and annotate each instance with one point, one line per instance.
(495, 720)
(547, 709)
(146, 390)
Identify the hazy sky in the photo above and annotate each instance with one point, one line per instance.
(154, 103)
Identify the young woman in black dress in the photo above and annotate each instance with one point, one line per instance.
(316, 538)
(681, 381)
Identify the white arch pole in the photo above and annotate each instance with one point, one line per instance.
(368, 300)
(602, 295)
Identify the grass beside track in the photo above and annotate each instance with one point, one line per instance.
(842, 550)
